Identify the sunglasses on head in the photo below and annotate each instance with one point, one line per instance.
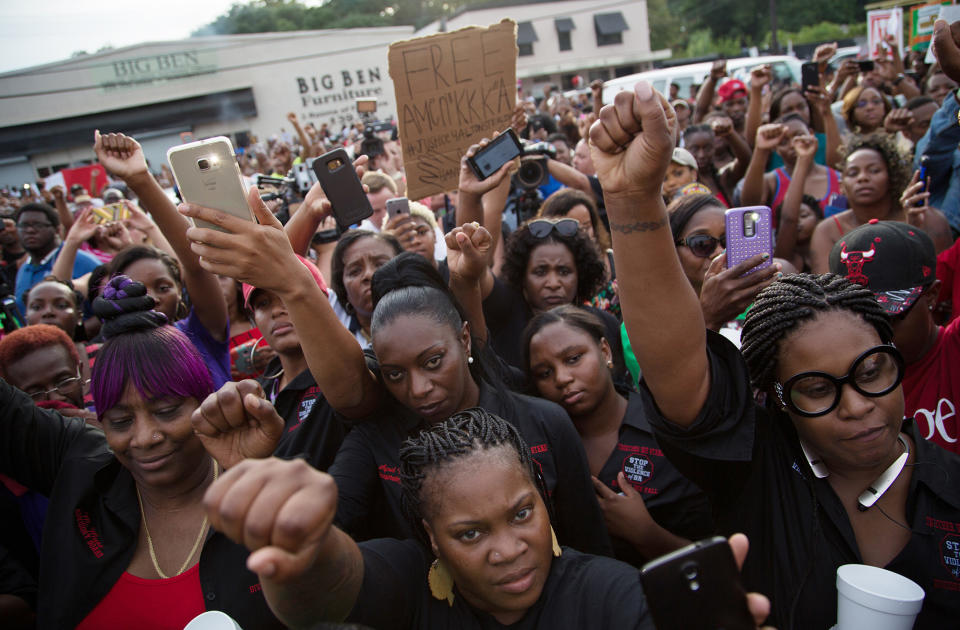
(542, 228)
(701, 245)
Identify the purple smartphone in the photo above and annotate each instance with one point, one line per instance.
(749, 232)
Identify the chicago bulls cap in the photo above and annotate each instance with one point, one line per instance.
(894, 260)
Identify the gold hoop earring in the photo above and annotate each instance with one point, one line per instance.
(556, 545)
(440, 581)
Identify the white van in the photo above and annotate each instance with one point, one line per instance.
(784, 68)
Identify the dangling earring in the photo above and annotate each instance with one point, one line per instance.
(556, 545)
(440, 581)
(470, 360)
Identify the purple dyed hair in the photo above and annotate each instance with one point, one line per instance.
(158, 362)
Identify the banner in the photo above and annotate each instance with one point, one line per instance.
(950, 13)
(81, 175)
(881, 23)
(921, 24)
(452, 89)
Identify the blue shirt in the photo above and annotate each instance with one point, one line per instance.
(939, 144)
(216, 354)
(31, 274)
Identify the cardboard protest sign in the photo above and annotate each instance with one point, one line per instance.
(452, 89)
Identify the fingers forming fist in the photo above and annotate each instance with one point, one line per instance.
(769, 136)
(805, 146)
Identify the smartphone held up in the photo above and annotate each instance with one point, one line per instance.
(207, 174)
(749, 232)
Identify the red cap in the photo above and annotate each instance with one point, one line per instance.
(734, 88)
(248, 289)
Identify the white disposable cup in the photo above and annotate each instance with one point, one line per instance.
(212, 620)
(874, 598)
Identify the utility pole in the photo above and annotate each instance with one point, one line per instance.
(775, 47)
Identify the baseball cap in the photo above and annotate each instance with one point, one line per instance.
(894, 260)
(82, 199)
(684, 157)
(730, 90)
(111, 195)
(680, 103)
(248, 289)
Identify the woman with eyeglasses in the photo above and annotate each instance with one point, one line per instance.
(575, 204)
(864, 109)
(826, 472)
(699, 230)
(127, 540)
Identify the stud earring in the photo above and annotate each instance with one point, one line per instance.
(470, 360)
(440, 581)
(610, 365)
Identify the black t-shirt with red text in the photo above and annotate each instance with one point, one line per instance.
(312, 429)
(749, 462)
(366, 471)
(674, 502)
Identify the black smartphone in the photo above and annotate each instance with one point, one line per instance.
(697, 588)
(866, 65)
(490, 158)
(924, 161)
(809, 75)
(342, 187)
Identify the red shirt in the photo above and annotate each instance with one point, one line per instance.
(931, 389)
(135, 602)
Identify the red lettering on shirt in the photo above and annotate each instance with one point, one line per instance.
(539, 448)
(936, 523)
(256, 588)
(389, 473)
(89, 534)
(628, 448)
(945, 585)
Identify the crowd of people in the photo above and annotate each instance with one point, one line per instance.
(491, 410)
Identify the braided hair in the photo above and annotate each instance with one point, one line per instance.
(793, 300)
(462, 434)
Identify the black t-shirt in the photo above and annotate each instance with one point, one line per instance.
(751, 465)
(674, 502)
(311, 428)
(366, 471)
(582, 592)
(507, 315)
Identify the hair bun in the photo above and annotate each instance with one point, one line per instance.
(124, 306)
(405, 270)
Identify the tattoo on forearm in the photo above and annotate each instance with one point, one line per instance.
(639, 226)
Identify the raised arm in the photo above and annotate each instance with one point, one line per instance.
(261, 255)
(305, 143)
(123, 157)
(789, 218)
(754, 186)
(83, 228)
(708, 90)
(733, 172)
(667, 333)
(759, 78)
(282, 511)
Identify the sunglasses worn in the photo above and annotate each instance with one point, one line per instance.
(542, 228)
(701, 245)
(875, 373)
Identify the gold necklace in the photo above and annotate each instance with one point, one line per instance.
(196, 543)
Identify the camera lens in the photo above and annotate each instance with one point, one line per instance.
(203, 164)
(531, 173)
(691, 571)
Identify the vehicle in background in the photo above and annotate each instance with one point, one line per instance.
(786, 69)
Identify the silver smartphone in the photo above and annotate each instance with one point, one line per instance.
(397, 206)
(207, 175)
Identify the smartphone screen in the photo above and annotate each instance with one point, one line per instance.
(501, 150)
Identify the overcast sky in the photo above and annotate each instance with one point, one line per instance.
(33, 32)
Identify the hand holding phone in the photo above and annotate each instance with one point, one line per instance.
(343, 189)
(749, 232)
(697, 588)
(498, 152)
(207, 175)
(809, 76)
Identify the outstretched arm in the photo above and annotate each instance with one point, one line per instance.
(631, 144)
(122, 156)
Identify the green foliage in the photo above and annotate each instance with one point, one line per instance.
(702, 44)
(822, 32)
(665, 25)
